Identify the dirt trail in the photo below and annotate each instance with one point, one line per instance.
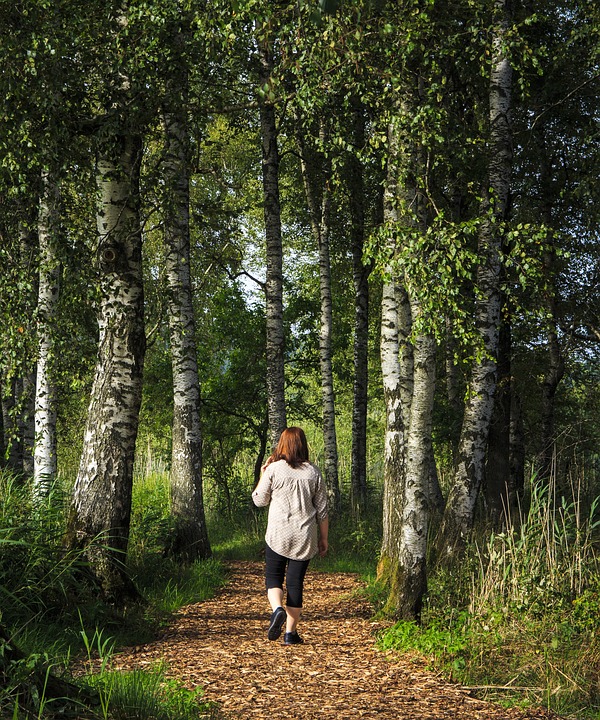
(222, 646)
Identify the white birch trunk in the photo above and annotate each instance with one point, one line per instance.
(319, 214)
(101, 508)
(393, 474)
(459, 514)
(275, 341)
(411, 582)
(411, 370)
(187, 504)
(44, 455)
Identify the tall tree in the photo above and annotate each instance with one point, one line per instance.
(275, 340)
(45, 452)
(187, 504)
(316, 173)
(402, 565)
(101, 504)
(459, 512)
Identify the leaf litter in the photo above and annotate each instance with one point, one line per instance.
(221, 645)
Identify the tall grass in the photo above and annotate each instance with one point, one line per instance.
(49, 612)
(518, 619)
(548, 551)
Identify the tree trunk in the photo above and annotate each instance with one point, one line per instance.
(408, 375)
(187, 504)
(45, 465)
(497, 470)
(393, 471)
(275, 344)
(393, 468)
(316, 184)
(356, 186)
(460, 508)
(101, 508)
(411, 581)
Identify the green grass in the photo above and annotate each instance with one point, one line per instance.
(518, 619)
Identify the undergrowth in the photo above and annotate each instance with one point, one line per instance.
(49, 618)
(517, 619)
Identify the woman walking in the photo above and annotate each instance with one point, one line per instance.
(297, 528)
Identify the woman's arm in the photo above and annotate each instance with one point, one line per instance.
(262, 493)
(323, 537)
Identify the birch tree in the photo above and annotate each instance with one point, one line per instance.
(101, 504)
(187, 503)
(317, 184)
(45, 460)
(275, 338)
(408, 369)
(459, 513)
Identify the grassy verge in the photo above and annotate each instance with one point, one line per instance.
(48, 617)
(518, 621)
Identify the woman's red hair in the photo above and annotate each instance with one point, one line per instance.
(292, 447)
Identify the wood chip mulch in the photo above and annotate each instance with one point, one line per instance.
(221, 645)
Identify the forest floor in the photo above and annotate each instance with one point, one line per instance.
(221, 645)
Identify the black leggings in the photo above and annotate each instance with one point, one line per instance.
(275, 571)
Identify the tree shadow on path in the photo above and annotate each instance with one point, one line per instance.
(222, 646)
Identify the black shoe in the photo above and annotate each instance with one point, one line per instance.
(292, 638)
(278, 617)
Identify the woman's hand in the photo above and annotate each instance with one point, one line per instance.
(323, 547)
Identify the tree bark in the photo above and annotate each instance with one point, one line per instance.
(318, 195)
(190, 541)
(411, 583)
(408, 369)
(360, 271)
(393, 472)
(45, 464)
(101, 507)
(275, 341)
(393, 468)
(458, 517)
(497, 469)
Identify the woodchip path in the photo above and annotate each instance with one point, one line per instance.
(221, 645)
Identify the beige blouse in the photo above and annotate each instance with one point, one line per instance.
(297, 503)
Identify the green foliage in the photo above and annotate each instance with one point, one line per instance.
(36, 575)
(145, 694)
(523, 606)
(447, 644)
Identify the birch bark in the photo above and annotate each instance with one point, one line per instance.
(101, 506)
(187, 504)
(458, 518)
(318, 195)
(408, 368)
(44, 456)
(275, 342)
